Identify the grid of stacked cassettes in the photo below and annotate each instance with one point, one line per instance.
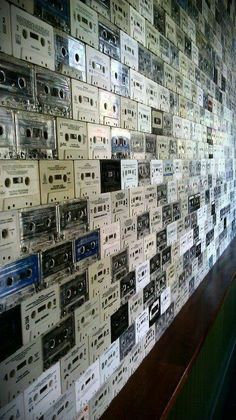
(116, 188)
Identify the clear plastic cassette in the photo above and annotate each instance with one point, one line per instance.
(137, 86)
(100, 211)
(120, 14)
(137, 26)
(69, 56)
(7, 134)
(109, 38)
(144, 118)
(127, 341)
(99, 341)
(5, 28)
(84, 23)
(72, 139)
(85, 102)
(56, 181)
(73, 292)
(129, 173)
(15, 409)
(87, 178)
(9, 237)
(109, 108)
(74, 364)
(119, 78)
(128, 231)
(120, 143)
(87, 319)
(87, 249)
(129, 51)
(63, 408)
(57, 261)
(19, 185)
(99, 142)
(35, 136)
(87, 385)
(101, 6)
(129, 114)
(16, 84)
(137, 145)
(55, 13)
(98, 68)
(53, 93)
(164, 49)
(73, 218)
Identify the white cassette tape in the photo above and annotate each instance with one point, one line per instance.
(152, 98)
(32, 39)
(119, 378)
(171, 231)
(156, 171)
(137, 145)
(87, 178)
(109, 361)
(152, 38)
(149, 246)
(99, 403)
(100, 211)
(136, 201)
(19, 370)
(19, 184)
(85, 102)
(165, 299)
(144, 118)
(170, 30)
(84, 23)
(99, 274)
(129, 114)
(56, 181)
(172, 191)
(63, 408)
(135, 304)
(109, 301)
(137, 86)
(99, 341)
(72, 139)
(128, 231)
(109, 108)
(119, 205)
(164, 48)
(149, 340)
(74, 364)
(9, 237)
(98, 68)
(87, 385)
(177, 126)
(110, 239)
(120, 14)
(164, 99)
(87, 319)
(136, 357)
(129, 173)
(43, 393)
(119, 78)
(7, 134)
(177, 167)
(142, 325)
(39, 313)
(137, 26)
(156, 219)
(13, 410)
(129, 51)
(5, 28)
(136, 254)
(146, 9)
(169, 77)
(150, 197)
(142, 275)
(99, 141)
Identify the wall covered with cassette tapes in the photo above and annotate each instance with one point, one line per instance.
(117, 188)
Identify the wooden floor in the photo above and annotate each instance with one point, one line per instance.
(153, 388)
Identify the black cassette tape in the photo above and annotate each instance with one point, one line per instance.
(160, 282)
(53, 93)
(16, 84)
(127, 341)
(57, 13)
(144, 176)
(119, 265)
(194, 202)
(73, 292)
(70, 56)
(157, 73)
(161, 194)
(11, 332)
(109, 38)
(149, 294)
(144, 61)
(166, 214)
(7, 134)
(119, 322)
(127, 287)
(58, 342)
(159, 18)
(155, 263)
(154, 311)
(73, 217)
(110, 175)
(143, 224)
(150, 146)
(87, 248)
(161, 240)
(166, 256)
(57, 259)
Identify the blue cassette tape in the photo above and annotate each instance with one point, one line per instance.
(57, 13)
(87, 248)
(18, 275)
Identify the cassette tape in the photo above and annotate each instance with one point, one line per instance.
(152, 37)
(72, 139)
(144, 118)
(119, 378)
(53, 93)
(20, 370)
(150, 146)
(159, 16)
(149, 340)
(87, 385)
(74, 364)
(99, 274)
(56, 181)
(87, 249)
(119, 265)
(120, 14)
(32, 39)
(164, 49)
(110, 239)
(120, 81)
(150, 197)
(99, 143)
(156, 219)
(156, 169)
(120, 143)
(35, 136)
(17, 84)
(157, 74)
(98, 68)
(73, 292)
(5, 28)
(87, 178)
(56, 14)
(161, 239)
(109, 361)
(129, 173)
(57, 261)
(137, 145)
(119, 322)
(84, 23)
(19, 186)
(142, 275)
(135, 306)
(99, 341)
(100, 211)
(11, 330)
(127, 341)
(149, 294)
(137, 86)
(109, 105)
(129, 50)
(87, 319)
(63, 408)
(9, 237)
(143, 172)
(110, 175)
(136, 254)
(162, 194)
(165, 300)
(149, 245)
(152, 93)
(7, 134)
(157, 122)
(169, 77)
(73, 218)
(129, 114)
(154, 311)
(127, 287)
(109, 301)
(155, 265)
(43, 393)
(137, 26)
(39, 313)
(167, 124)
(141, 325)
(69, 56)
(119, 204)
(128, 231)
(172, 191)
(15, 409)
(136, 201)
(136, 357)
(109, 38)
(85, 102)
(143, 224)
(100, 402)
(144, 61)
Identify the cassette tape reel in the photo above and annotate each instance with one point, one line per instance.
(84, 23)
(73, 292)
(35, 136)
(99, 142)
(32, 39)
(73, 218)
(53, 93)
(87, 249)
(9, 237)
(120, 78)
(87, 178)
(16, 84)
(56, 181)
(19, 185)
(7, 134)
(69, 56)
(56, 261)
(85, 102)
(72, 139)
(55, 13)
(98, 68)
(109, 38)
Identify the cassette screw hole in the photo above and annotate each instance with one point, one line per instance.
(4, 233)
(21, 82)
(9, 281)
(77, 57)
